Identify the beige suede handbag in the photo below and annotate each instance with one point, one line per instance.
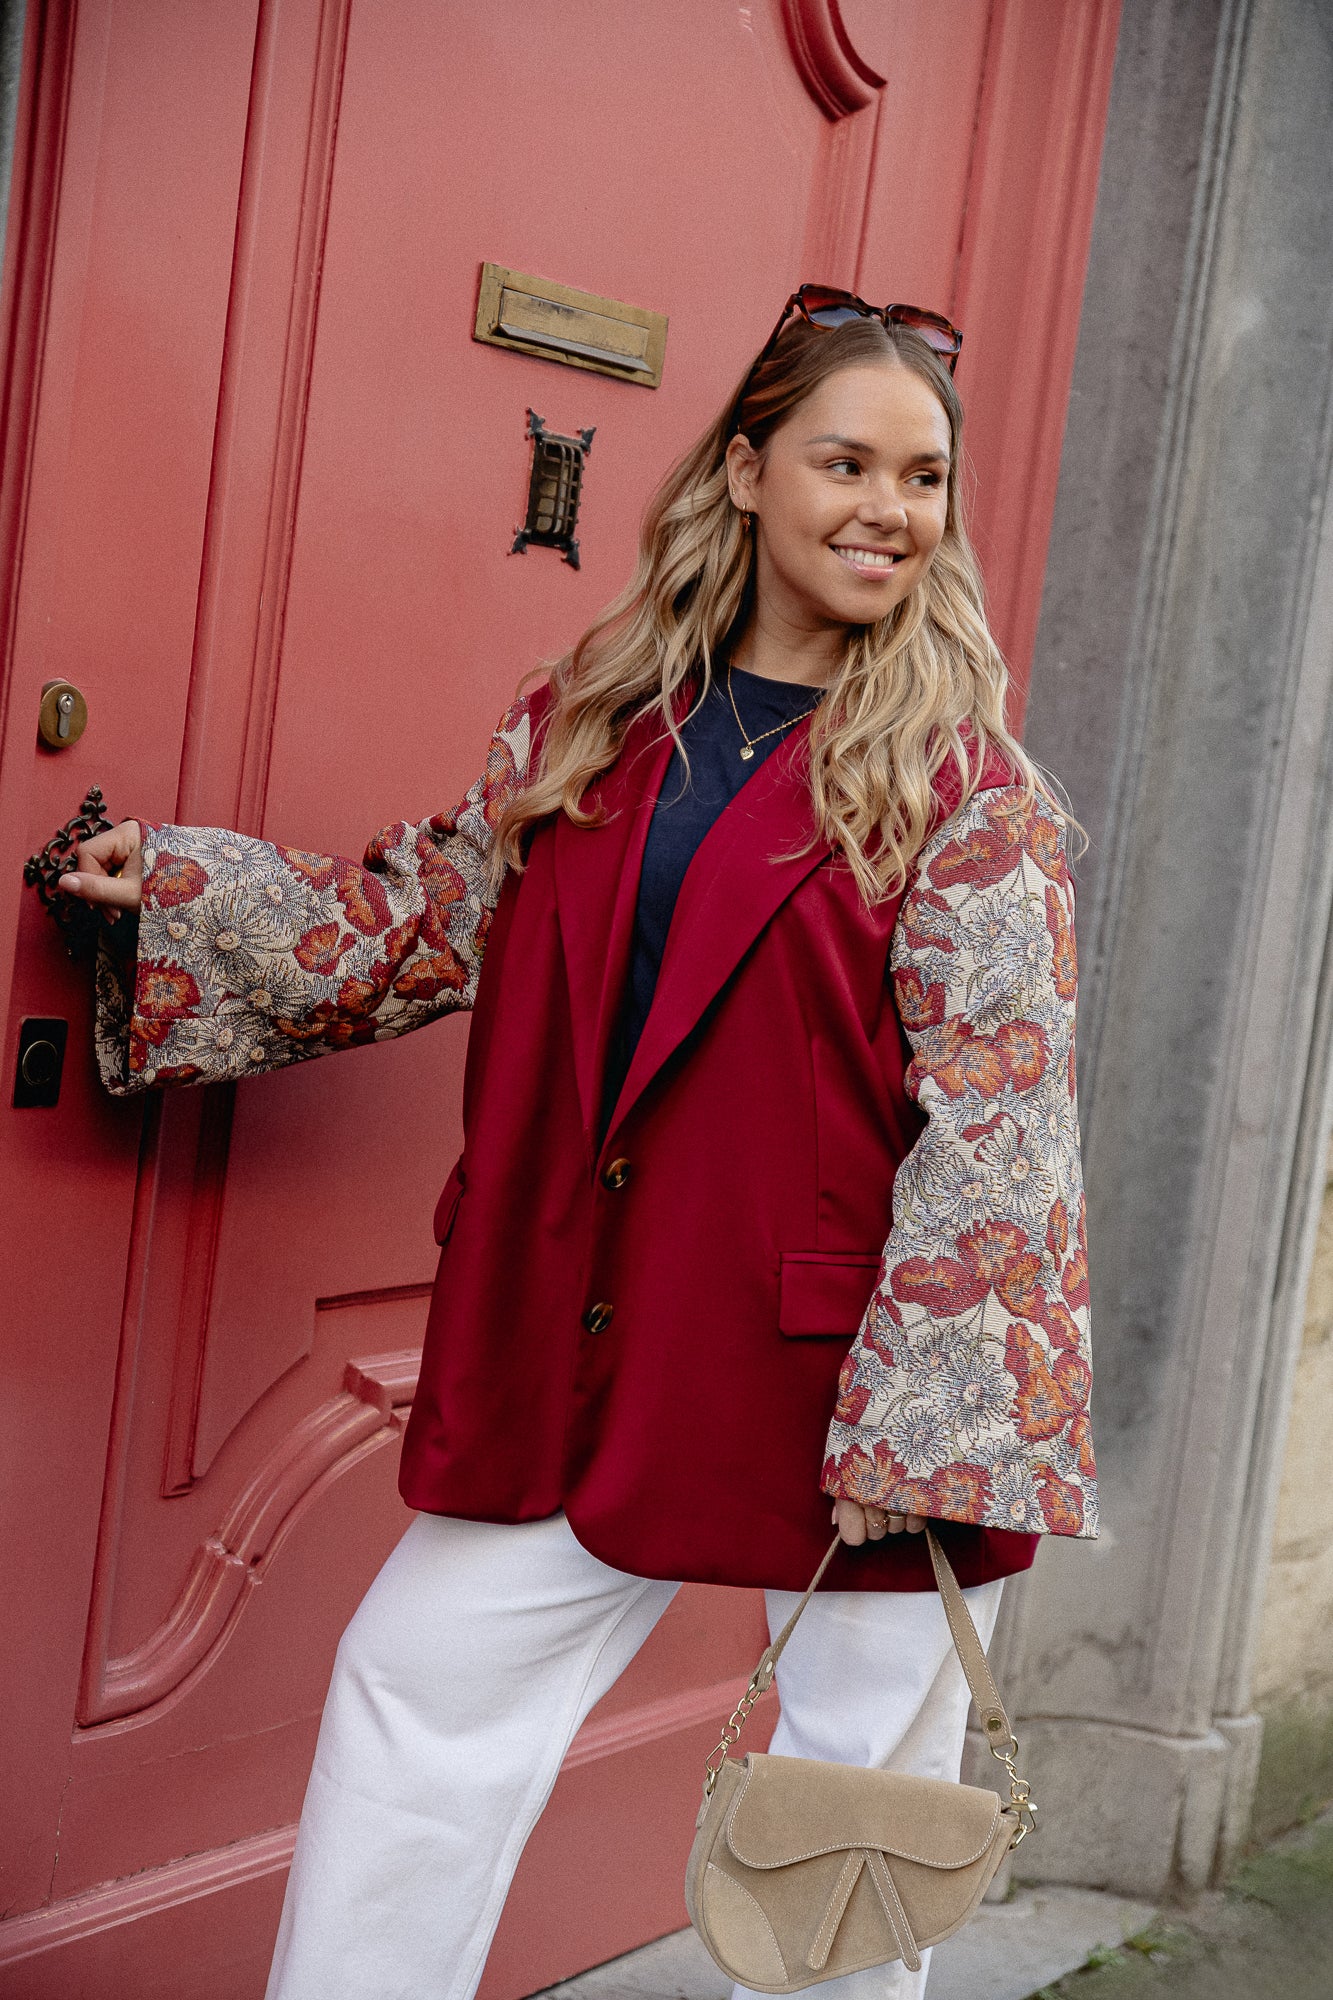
(803, 1871)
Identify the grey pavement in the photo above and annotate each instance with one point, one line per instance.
(1007, 1951)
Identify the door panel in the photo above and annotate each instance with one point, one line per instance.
(262, 515)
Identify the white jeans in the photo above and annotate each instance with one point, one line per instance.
(457, 1689)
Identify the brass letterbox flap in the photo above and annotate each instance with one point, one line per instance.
(557, 323)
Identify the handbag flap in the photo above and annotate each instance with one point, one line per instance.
(790, 1808)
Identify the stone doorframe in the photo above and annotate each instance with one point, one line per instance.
(1183, 692)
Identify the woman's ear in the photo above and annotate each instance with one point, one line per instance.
(742, 463)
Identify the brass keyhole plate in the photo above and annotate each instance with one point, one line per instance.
(63, 715)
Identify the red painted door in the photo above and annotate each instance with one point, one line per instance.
(258, 497)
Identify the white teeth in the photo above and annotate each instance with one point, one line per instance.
(867, 558)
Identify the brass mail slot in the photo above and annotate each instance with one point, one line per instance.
(559, 324)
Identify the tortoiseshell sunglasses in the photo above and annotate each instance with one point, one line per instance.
(828, 306)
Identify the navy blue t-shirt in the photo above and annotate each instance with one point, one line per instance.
(686, 807)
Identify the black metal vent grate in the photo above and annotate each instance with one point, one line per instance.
(555, 488)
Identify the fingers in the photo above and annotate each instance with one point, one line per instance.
(118, 890)
(108, 853)
(110, 868)
(857, 1524)
(109, 848)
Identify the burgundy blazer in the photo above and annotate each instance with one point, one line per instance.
(653, 1330)
(648, 1331)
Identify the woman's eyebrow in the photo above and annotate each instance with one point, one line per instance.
(868, 450)
(851, 444)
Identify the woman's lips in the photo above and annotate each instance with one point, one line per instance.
(874, 564)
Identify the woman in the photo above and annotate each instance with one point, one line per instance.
(771, 1154)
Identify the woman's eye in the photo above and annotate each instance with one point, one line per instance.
(844, 464)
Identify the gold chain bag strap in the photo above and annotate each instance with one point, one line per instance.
(802, 1871)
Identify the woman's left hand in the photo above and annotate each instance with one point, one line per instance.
(857, 1524)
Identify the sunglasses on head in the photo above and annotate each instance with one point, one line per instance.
(828, 306)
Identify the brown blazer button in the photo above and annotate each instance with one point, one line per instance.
(616, 1174)
(598, 1318)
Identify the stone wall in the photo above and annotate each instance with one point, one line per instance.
(1182, 689)
(12, 13)
(1293, 1672)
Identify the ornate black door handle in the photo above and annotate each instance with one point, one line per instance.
(78, 921)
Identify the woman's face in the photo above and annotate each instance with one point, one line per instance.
(849, 497)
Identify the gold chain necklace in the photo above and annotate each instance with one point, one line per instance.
(747, 746)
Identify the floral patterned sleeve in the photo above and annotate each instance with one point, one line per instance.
(251, 956)
(965, 1395)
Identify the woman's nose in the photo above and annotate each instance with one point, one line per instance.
(884, 507)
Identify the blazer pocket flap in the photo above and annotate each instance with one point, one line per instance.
(446, 1208)
(825, 1292)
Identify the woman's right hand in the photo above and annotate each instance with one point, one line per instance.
(857, 1523)
(110, 869)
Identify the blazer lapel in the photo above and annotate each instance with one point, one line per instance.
(746, 867)
(597, 884)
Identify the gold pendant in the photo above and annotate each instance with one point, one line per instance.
(747, 751)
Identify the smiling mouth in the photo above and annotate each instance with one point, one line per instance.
(874, 563)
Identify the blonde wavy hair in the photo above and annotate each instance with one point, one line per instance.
(896, 704)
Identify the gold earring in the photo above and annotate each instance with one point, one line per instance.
(747, 520)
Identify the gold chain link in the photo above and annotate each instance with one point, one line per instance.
(731, 1734)
(1020, 1793)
